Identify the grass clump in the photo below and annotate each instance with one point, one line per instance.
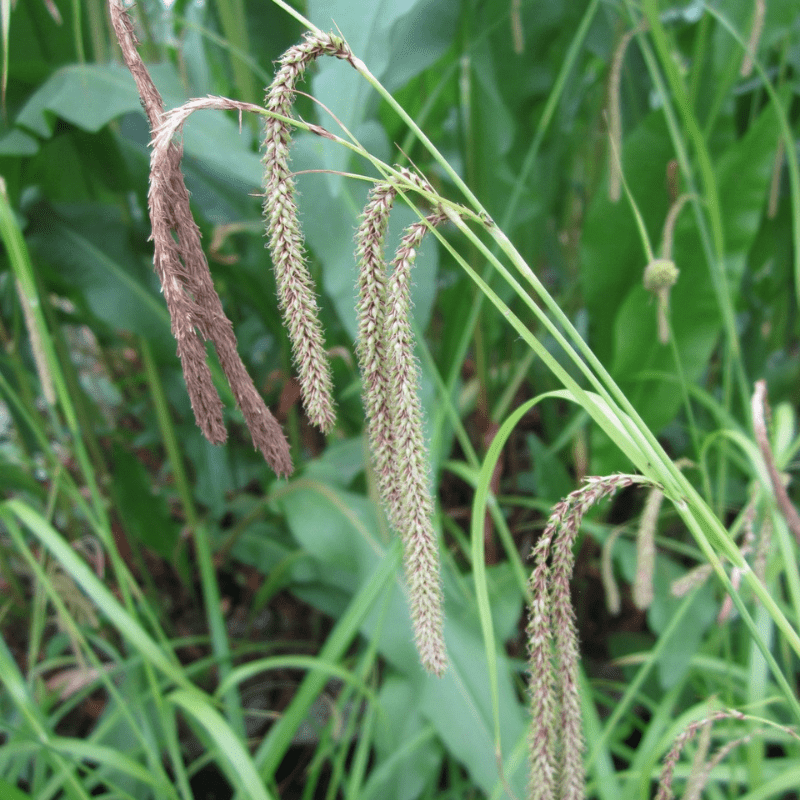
(301, 674)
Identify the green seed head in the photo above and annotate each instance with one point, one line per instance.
(660, 274)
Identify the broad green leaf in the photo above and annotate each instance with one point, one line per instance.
(623, 316)
(11, 792)
(195, 49)
(144, 513)
(90, 96)
(213, 475)
(17, 143)
(743, 173)
(421, 32)
(675, 656)
(392, 38)
(339, 529)
(340, 463)
(408, 757)
(492, 129)
(213, 138)
(87, 247)
(675, 659)
(725, 49)
(13, 478)
(551, 480)
(329, 222)
(612, 257)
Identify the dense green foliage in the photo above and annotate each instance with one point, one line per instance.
(175, 612)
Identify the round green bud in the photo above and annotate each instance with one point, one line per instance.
(660, 274)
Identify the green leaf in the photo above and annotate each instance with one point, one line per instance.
(612, 258)
(623, 315)
(228, 747)
(340, 531)
(340, 463)
(10, 792)
(675, 658)
(402, 770)
(144, 512)
(93, 95)
(17, 143)
(550, 478)
(420, 32)
(89, 96)
(328, 223)
(376, 32)
(14, 478)
(213, 474)
(213, 138)
(87, 246)
(743, 173)
(492, 126)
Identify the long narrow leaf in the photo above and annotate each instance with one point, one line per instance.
(237, 761)
(105, 602)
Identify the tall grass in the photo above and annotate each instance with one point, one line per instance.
(709, 692)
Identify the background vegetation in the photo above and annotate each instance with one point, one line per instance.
(177, 622)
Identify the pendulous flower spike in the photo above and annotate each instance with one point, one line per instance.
(296, 294)
(194, 305)
(371, 344)
(410, 501)
(555, 743)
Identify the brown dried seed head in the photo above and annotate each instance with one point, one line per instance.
(194, 306)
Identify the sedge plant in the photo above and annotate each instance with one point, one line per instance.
(390, 381)
(385, 349)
